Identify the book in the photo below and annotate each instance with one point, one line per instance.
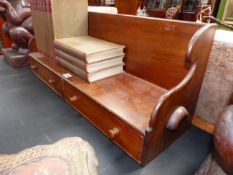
(92, 67)
(91, 77)
(70, 18)
(57, 19)
(88, 48)
(42, 26)
(50, 31)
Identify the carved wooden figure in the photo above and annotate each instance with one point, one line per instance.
(18, 27)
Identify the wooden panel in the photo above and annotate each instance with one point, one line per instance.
(103, 119)
(203, 125)
(155, 48)
(158, 136)
(51, 79)
(184, 95)
(116, 130)
(130, 98)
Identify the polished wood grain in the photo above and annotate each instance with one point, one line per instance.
(158, 136)
(117, 130)
(103, 118)
(155, 48)
(129, 98)
(185, 94)
(115, 94)
(203, 125)
(47, 76)
(165, 64)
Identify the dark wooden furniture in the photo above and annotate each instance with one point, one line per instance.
(187, 9)
(184, 11)
(94, 2)
(150, 105)
(182, 15)
(129, 6)
(18, 28)
(15, 59)
(220, 162)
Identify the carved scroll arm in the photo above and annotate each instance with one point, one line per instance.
(185, 94)
(172, 107)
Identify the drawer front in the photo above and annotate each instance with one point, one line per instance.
(50, 78)
(119, 132)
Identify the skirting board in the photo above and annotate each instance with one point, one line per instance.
(203, 125)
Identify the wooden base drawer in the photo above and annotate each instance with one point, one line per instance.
(119, 132)
(50, 78)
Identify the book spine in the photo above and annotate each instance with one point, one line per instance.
(76, 61)
(70, 51)
(57, 59)
(105, 73)
(50, 28)
(99, 56)
(96, 70)
(43, 13)
(71, 68)
(36, 19)
(49, 6)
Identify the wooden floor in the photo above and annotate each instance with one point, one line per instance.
(32, 114)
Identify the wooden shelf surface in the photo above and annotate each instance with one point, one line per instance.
(130, 98)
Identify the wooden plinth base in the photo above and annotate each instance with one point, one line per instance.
(15, 59)
(203, 125)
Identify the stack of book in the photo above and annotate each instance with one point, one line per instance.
(90, 58)
(65, 23)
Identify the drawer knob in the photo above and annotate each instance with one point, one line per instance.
(51, 81)
(33, 66)
(73, 99)
(113, 132)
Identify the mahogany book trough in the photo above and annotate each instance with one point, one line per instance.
(145, 108)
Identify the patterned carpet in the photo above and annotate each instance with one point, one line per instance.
(69, 156)
(217, 87)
